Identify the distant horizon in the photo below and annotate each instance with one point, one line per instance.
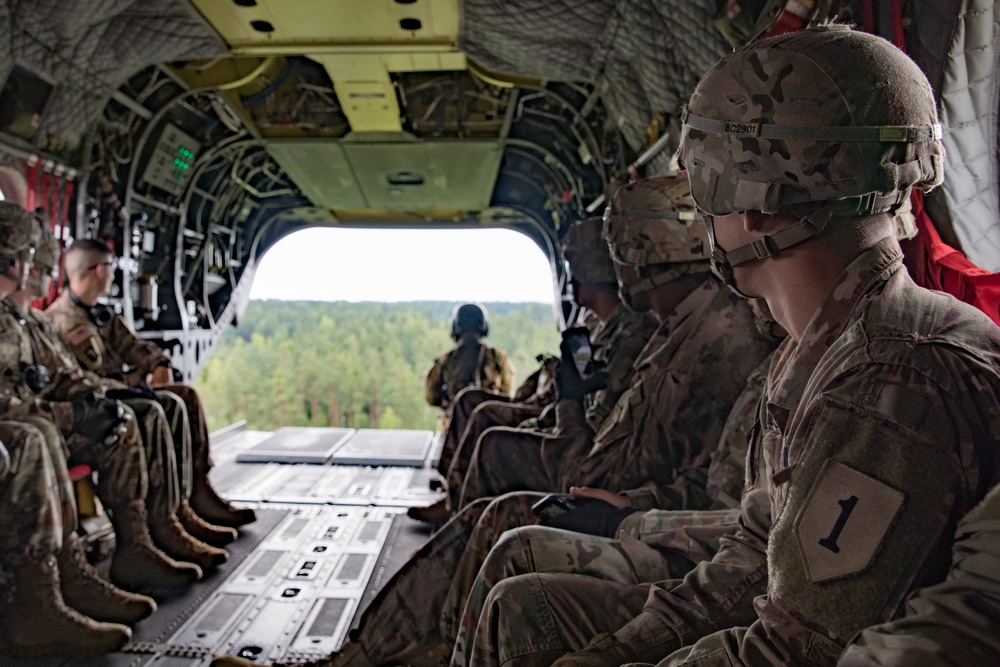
(404, 265)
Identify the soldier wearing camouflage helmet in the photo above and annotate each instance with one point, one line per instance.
(98, 431)
(616, 343)
(650, 434)
(161, 429)
(398, 627)
(37, 512)
(881, 410)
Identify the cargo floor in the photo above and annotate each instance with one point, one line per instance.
(327, 538)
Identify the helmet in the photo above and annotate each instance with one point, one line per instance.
(783, 122)
(586, 251)
(47, 250)
(18, 232)
(469, 318)
(653, 221)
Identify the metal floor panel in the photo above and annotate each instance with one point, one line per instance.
(327, 539)
(382, 447)
(296, 444)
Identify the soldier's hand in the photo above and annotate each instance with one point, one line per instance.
(99, 419)
(591, 516)
(569, 384)
(603, 651)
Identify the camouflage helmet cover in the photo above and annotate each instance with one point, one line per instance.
(18, 229)
(587, 253)
(825, 114)
(653, 221)
(47, 251)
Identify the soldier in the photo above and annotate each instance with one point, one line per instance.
(104, 344)
(881, 410)
(397, 628)
(664, 427)
(36, 516)
(98, 431)
(471, 363)
(616, 341)
(952, 623)
(165, 500)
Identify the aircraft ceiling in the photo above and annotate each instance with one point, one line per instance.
(511, 113)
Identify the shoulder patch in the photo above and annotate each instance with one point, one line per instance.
(78, 334)
(844, 522)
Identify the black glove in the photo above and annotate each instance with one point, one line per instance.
(569, 384)
(591, 516)
(143, 391)
(99, 419)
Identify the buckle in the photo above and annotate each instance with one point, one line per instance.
(762, 247)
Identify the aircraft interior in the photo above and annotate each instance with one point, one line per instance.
(195, 134)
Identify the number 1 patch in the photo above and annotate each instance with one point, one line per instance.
(845, 520)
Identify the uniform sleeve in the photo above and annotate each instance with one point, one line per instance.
(870, 482)
(433, 393)
(953, 623)
(142, 355)
(58, 412)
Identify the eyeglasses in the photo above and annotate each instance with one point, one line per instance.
(105, 263)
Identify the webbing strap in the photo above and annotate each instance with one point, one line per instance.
(876, 133)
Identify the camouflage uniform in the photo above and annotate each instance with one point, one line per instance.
(470, 364)
(650, 545)
(952, 623)
(121, 466)
(114, 352)
(397, 628)
(869, 443)
(70, 382)
(616, 343)
(36, 498)
(662, 430)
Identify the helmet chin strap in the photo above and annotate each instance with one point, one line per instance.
(723, 261)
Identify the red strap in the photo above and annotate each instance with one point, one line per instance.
(934, 264)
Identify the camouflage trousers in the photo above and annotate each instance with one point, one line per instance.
(505, 460)
(486, 415)
(201, 460)
(180, 431)
(458, 414)
(542, 592)
(162, 458)
(37, 507)
(122, 471)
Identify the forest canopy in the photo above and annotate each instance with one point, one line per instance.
(357, 365)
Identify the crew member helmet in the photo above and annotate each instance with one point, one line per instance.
(654, 221)
(586, 251)
(47, 251)
(18, 234)
(469, 318)
(826, 114)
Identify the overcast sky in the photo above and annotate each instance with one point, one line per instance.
(404, 265)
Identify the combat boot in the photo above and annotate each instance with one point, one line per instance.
(438, 513)
(216, 536)
(350, 655)
(169, 535)
(84, 590)
(36, 622)
(209, 506)
(137, 564)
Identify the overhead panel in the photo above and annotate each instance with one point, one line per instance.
(419, 176)
(321, 171)
(405, 175)
(359, 44)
